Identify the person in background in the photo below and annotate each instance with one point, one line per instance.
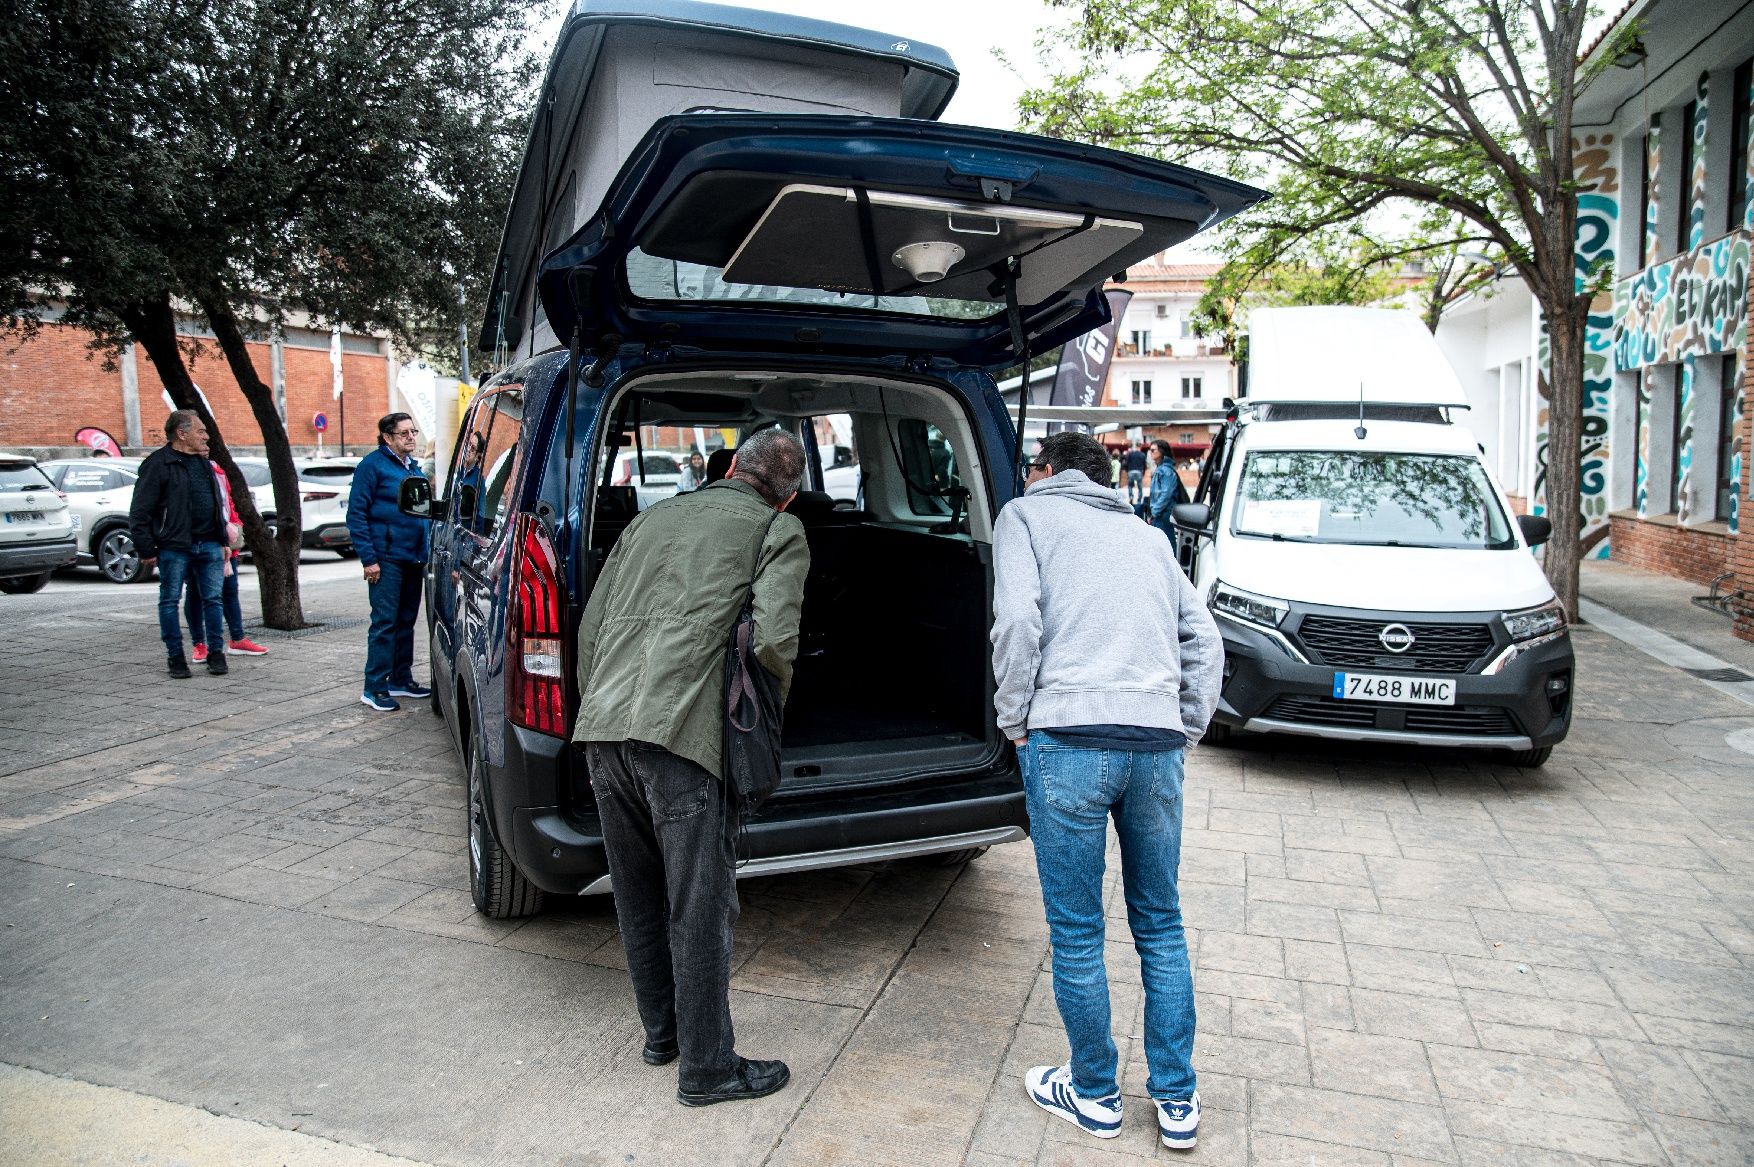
(1100, 733)
(693, 473)
(1166, 489)
(177, 524)
(229, 602)
(1114, 469)
(1134, 464)
(392, 552)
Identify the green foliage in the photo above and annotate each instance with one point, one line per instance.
(346, 160)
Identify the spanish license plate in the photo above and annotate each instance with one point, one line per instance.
(1399, 690)
(24, 517)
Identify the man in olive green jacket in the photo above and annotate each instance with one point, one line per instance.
(651, 655)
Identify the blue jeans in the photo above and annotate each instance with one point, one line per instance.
(201, 569)
(389, 646)
(229, 602)
(1135, 484)
(1072, 793)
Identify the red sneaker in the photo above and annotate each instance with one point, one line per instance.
(198, 653)
(247, 647)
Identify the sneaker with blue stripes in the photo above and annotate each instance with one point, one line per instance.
(1178, 1122)
(1050, 1087)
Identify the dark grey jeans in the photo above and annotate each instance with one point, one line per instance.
(670, 836)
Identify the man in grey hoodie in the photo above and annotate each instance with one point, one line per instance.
(1100, 734)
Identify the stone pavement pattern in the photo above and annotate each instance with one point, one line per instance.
(1401, 958)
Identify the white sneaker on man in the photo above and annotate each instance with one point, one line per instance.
(1178, 1123)
(1050, 1087)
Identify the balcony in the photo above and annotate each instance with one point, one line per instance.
(1188, 352)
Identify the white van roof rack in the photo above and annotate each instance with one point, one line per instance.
(1340, 356)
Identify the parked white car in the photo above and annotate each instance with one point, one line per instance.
(36, 528)
(325, 484)
(663, 473)
(98, 492)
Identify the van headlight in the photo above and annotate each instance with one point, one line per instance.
(1262, 611)
(1533, 622)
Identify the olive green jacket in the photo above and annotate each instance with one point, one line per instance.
(651, 652)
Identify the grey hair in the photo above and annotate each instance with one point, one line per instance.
(178, 421)
(772, 461)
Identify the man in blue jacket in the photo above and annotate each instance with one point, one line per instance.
(392, 548)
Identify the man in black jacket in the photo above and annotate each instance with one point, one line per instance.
(177, 520)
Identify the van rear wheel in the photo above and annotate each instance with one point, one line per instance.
(499, 889)
(1529, 759)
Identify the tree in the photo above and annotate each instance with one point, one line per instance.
(1353, 106)
(248, 160)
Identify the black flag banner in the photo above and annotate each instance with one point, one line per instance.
(1084, 363)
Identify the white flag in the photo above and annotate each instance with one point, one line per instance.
(335, 359)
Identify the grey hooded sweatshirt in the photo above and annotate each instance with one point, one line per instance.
(1094, 622)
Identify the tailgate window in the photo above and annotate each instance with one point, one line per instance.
(17, 479)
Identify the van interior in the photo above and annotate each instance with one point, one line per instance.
(893, 679)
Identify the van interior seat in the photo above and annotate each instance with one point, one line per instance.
(816, 508)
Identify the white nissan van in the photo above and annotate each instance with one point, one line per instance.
(1369, 579)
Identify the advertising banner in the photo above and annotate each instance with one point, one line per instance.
(1084, 363)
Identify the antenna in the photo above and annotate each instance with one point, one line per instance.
(1360, 432)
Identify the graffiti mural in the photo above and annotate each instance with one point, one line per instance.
(1598, 209)
(1693, 305)
(1738, 370)
(1641, 458)
(1696, 180)
(1685, 400)
(1653, 157)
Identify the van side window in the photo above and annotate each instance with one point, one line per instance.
(500, 466)
(469, 477)
(931, 466)
(837, 450)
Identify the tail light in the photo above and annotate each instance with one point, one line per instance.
(316, 495)
(536, 649)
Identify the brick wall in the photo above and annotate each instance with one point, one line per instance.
(52, 385)
(1659, 544)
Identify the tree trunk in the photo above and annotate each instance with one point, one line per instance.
(1565, 334)
(276, 555)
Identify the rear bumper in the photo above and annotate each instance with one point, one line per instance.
(561, 851)
(328, 536)
(30, 558)
(1526, 705)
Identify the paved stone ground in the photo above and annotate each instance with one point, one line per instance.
(1401, 958)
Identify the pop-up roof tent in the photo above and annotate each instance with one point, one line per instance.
(620, 65)
(1340, 356)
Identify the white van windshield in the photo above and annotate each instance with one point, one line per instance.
(1370, 498)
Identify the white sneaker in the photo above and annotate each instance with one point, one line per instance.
(1050, 1087)
(1179, 1122)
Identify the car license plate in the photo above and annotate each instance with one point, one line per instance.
(1399, 690)
(24, 516)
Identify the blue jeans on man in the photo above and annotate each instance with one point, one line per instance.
(1072, 794)
(230, 603)
(389, 651)
(201, 568)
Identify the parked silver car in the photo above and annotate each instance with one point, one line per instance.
(36, 530)
(98, 492)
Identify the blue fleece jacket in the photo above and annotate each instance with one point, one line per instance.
(379, 530)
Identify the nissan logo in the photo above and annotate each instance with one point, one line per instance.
(1396, 637)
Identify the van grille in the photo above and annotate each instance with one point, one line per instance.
(1437, 648)
(1485, 720)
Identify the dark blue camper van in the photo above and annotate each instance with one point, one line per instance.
(857, 280)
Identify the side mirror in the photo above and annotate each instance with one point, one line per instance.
(415, 498)
(1537, 529)
(1191, 516)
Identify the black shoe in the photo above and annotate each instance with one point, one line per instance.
(748, 1080)
(659, 1053)
(216, 664)
(178, 667)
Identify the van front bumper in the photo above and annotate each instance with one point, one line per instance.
(1526, 705)
(560, 848)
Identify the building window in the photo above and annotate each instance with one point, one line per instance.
(1191, 387)
(1727, 475)
(1684, 196)
(1645, 220)
(1141, 341)
(1739, 130)
(1141, 393)
(1187, 438)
